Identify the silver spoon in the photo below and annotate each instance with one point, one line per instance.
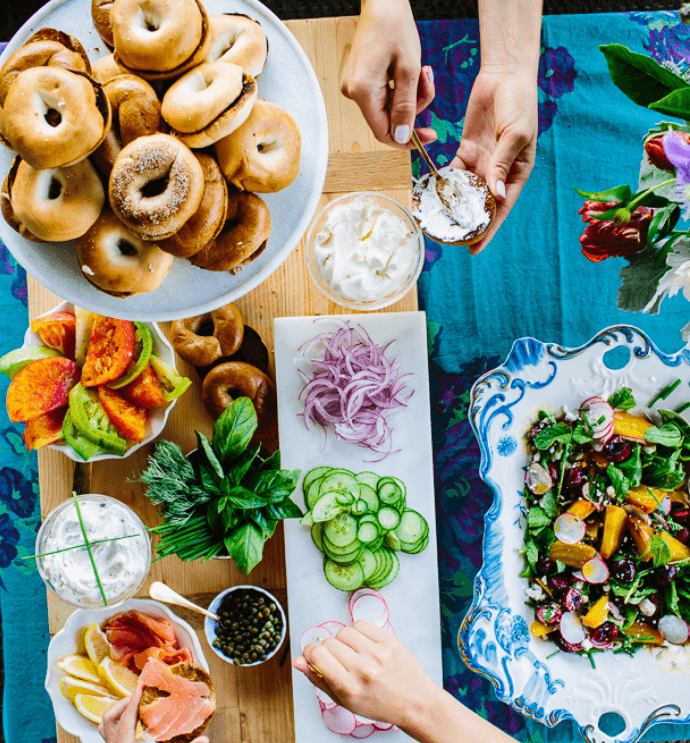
(446, 188)
(160, 592)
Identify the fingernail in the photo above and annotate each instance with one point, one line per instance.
(501, 189)
(402, 134)
(430, 74)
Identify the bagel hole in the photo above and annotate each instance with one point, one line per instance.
(53, 117)
(126, 248)
(206, 328)
(270, 146)
(155, 187)
(55, 189)
(235, 393)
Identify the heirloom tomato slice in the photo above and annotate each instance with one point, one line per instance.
(90, 420)
(128, 419)
(111, 348)
(85, 448)
(41, 387)
(44, 430)
(146, 390)
(143, 348)
(57, 330)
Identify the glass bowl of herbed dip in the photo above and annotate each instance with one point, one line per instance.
(118, 542)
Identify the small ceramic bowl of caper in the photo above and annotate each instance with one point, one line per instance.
(252, 625)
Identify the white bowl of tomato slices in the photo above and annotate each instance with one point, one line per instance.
(156, 417)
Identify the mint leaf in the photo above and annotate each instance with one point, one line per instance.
(559, 432)
(622, 399)
(666, 435)
(537, 518)
(660, 551)
(619, 481)
(548, 504)
(531, 553)
(632, 467)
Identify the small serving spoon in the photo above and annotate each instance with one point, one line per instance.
(446, 188)
(160, 592)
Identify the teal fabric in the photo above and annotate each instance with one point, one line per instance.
(532, 280)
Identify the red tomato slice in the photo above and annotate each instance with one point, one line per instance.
(57, 330)
(111, 348)
(146, 390)
(128, 420)
(45, 430)
(40, 387)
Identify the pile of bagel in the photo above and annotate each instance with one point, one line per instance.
(156, 151)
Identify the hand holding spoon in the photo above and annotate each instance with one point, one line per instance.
(160, 592)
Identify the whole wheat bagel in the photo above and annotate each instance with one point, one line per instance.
(206, 338)
(239, 39)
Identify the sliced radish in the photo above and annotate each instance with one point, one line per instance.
(339, 720)
(569, 529)
(370, 608)
(364, 720)
(314, 635)
(324, 700)
(595, 571)
(577, 575)
(389, 627)
(571, 628)
(363, 731)
(361, 592)
(599, 415)
(383, 725)
(615, 612)
(538, 479)
(674, 629)
(332, 626)
(665, 505)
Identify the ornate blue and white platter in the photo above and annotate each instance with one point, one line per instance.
(494, 638)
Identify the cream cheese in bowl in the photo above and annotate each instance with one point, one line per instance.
(365, 251)
(122, 564)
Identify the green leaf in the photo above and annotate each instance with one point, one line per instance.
(618, 194)
(551, 434)
(272, 463)
(246, 546)
(549, 505)
(537, 518)
(656, 179)
(243, 464)
(213, 517)
(260, 519)
(660, 551)
(210, 481)
(641, 78)
(221, 504)
(676, 103)
(678, 420)
(619, 481)
(665, 473)
(622, 399)
(229, 518)
(639, 281)
(666, 435)
(531, 552)
(544, 539)
(234, 429)
(632, 467)
(580, 436)
(285, 510)
(239, 497)
(274, 485)
(205, 446)
(671, 596)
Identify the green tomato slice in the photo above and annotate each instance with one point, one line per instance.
(173, 384)
(85, 449)
(14, 361)
(143, 348)
(92, 422)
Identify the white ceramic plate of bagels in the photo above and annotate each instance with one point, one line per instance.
(287, 80)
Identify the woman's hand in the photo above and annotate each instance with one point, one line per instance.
(386, 49)
(368, 670)
(499, 137)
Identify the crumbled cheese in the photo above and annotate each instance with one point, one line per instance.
(647, 607)
(535, 592)
(610, 491)
(586, 644)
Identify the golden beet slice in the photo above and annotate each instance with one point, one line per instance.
(581, 508)
(630, 426)
(573, 555)
(641, 532)
(615, 519)
(538, 629)
(645, 498)
(679, 551)
(41, 387)
(644, 633)
(598, 612)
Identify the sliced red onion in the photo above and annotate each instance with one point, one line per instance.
(569, 529)
(339, 720)
(332, 626)
(363, 731)
(595, 571)
(353, 388)
(599, 415)
(674, 629)
(370, 608)
(324, 700)
(538, 479)
(571, 628)
(314, 635)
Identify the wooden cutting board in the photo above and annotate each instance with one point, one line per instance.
(254, 704)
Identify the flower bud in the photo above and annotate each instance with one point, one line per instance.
(622, 216)
(654, 148)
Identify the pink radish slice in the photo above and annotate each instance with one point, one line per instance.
(595, 571)
(339, 720)
(314, 635)
(599, 415)
(324, 700)
(389, 627)
(372, 609)
(361, 592)
(363, 731)
(615, 612)
(569, 529)
(383, 725)
(577, 575)
(674, 629)
(571, 628)
(332, 626)
(364, 720)
(665, 505)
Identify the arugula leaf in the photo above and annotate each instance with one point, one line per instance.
(619, 481)
(537, 518)
(671, 596)
(234, 429)
(285, 510)
(246, 546)
(544, 538)
(660, 551)
(666, 435)
(665, 473)
(622, 399)
(559, 432)
(632, 467)
(205, 446)
(672, 416)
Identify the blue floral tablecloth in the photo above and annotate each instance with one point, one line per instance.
(540, 285)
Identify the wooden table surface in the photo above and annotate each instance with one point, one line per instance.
(254, 704)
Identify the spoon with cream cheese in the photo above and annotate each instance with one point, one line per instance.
(446, 188)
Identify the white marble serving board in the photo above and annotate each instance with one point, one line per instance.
(413, 597)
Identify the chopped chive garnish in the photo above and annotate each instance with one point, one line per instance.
(556, 652)
(88, 549)
(665, 392)
(682, 408)
(79, 546)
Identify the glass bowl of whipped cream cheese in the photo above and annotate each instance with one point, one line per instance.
(364, 251)
(122, 563)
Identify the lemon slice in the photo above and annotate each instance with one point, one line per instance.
(92, 707)
(71, 686)
(119, 678)
(81, 667)
(96, 644)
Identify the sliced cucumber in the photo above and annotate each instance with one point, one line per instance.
(312, 475)
(345, 499)
(342, 482)
(368, 563)
(342, 530)
(390, 572)
(419, 548)
(347, 559)
(327, 507)
(367, 532)
(316, 535)
(388, 517)
(344, 577)
(311, 494)
(368, 494)
(359, 507)
(388, 491)
(368, 478)
(393, 542)
(412, 527)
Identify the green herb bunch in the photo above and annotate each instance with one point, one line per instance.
(223, 500)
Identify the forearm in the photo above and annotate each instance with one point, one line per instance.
(510, 32)
(445, 720)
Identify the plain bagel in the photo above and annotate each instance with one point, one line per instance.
(100, 15)
(239, 39)
(119, 262)
(263, 155)
(107, 68)
(155, 186)
(6, 205)
(208, 103)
